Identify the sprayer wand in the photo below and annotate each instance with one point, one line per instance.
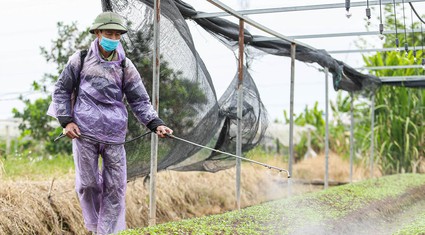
(229, 154)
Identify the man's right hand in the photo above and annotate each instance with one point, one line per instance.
(72, 131)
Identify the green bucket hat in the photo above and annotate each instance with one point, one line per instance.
(108, 20)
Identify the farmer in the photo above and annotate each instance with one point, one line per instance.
(106, 76)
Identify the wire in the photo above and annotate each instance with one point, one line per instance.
(422, 35)
(368, 14)
(413, 36)
(229, 154)
(19, 93)
(105, 142)
(423, 51)
(406, 45)
(21, 96)
(397, 42)
(416, 13)
(381, 26)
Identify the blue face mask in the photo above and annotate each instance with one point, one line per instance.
(109, 44)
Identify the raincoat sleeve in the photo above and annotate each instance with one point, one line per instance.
(139, 99)
(61, 106)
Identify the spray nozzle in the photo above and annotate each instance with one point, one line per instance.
(368, 15)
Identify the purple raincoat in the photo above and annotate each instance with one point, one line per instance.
(99, 112)
(99, 109)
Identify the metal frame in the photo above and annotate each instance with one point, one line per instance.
(292, 39)
(334, 35)
(370, 50)
(390, 67)
(257, 25)
(298, 8)
(402, 78)
(326, 183)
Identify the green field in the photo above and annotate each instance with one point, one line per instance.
(359, 208)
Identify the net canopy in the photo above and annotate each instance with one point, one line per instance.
(188, 101)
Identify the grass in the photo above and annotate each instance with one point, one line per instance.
(295, 214)
(36, 168)
(416, 227)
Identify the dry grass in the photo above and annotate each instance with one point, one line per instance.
(339, 169)
(314, 168)
(27, 208)
(1, 169)
(51, 207)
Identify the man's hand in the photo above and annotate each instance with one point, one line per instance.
(72, 131)
(162, 131)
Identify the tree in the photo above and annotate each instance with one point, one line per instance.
(35, 123)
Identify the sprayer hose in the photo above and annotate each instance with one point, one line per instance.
(106, 142)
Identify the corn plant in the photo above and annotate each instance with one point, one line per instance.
(399, 111)
(399, 115)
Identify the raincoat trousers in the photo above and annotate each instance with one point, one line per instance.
(99, 112)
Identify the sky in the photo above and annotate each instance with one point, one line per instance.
(31, 24)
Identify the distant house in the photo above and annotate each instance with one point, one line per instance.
(9, 128)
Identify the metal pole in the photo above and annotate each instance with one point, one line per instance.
(239, 113)
(155, 103)
(364, 50)
(7, 140)
(291, 110)
(335, 35)
(299, 8)
(327, 128)
(372, 135)
(351, 136)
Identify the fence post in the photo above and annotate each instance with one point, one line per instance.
(155, 102)
(327, 129)
(291, 110)
(239, 113)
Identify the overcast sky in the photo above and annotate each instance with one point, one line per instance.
(29, 24)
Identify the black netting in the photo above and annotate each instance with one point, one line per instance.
(344, 77)
(188, 102)
(254, 124)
